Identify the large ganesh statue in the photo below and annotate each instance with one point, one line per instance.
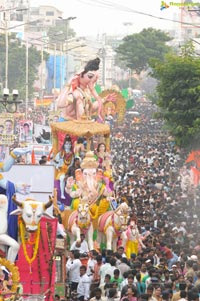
(90, 185)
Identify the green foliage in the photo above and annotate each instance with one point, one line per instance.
(62, 27)
(17, 65)
(136, 50)
(179, 95)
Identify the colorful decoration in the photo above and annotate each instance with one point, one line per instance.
(33, 239)
(14, 272)
(125, 93)
(115, 105)
(42, 276)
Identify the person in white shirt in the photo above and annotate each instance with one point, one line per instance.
(112, 267)
(83, 288)
(91, 263)
(103, 269)
(81, 246)
(73, 269)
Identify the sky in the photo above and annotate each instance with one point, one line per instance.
(95, 17)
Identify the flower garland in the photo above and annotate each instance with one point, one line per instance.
(24, 241)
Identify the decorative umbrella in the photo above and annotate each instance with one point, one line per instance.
(80, 128)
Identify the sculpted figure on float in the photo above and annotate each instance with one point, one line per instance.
(111, 224)
(75, 100)
(79, 222)
(62, 161)
(31, 212)
(131, 238)
(8, 228)
(5, 239)
(89, 186)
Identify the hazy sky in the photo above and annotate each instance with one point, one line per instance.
(108, 16)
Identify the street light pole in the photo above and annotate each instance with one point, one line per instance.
(6, 28)
(6, 60)
(27, 80)
(54, 73)
(27, 69)
(41, 72)
(67, 34)
(61, 65)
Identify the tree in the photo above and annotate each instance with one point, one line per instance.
(136, 50)
(17, 65)
(179, 95)
(62, 31)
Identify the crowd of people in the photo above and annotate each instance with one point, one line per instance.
(146, 168)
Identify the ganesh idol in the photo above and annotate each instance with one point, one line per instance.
(89, 186)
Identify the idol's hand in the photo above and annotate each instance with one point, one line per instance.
(23, 188)
(111, 97)
(21, 151)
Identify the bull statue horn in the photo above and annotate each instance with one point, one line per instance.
(14, 198)
(49, 203)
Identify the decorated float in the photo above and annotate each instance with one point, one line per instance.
(83, 198)
(27, 236)
(86, 199)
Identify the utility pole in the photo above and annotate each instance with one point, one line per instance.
(27, 69)
(67, 38)
(102, 54)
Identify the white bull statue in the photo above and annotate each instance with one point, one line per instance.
(31, 212)
(111, 224)
(77, 222)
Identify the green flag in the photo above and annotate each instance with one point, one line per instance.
(124, 93)
(98, 89)
(130, 104)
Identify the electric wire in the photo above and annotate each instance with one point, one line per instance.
(111, 5)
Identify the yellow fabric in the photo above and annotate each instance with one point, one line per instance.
(62, 170)
(75, 204)
(104, 205)
(13, 155)
(131, 247)
(102, 208)
(94, 210)
(1, 167)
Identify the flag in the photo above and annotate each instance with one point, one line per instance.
(130, 103)
(124, 93)
(33, 161)
(98, 89)
(194, 156)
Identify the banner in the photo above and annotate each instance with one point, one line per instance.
(47, 101)
(42, 133)
(39, 150)
(6, 129)
(25, 131)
